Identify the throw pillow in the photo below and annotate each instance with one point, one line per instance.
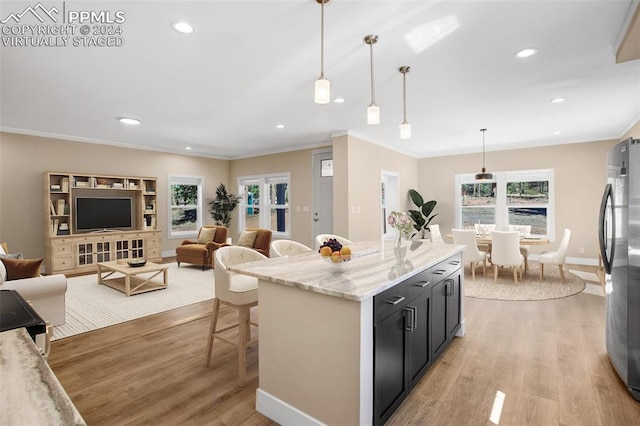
(21, 268)
(3, 248)
(206, 235)
(3, 270)
(247, 238)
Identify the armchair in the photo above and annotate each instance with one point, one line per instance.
(200, 252)
(261, 243)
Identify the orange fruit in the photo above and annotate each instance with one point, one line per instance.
(335, 257)
(325, 251)
(345, 252)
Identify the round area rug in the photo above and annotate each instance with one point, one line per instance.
(529, 288)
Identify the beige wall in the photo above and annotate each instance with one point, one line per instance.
(358, 167)
(580, 176)
(299, 164)
(24, 159)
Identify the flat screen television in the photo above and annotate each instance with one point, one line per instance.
(103, 213)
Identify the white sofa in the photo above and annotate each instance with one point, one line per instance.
(46, 294)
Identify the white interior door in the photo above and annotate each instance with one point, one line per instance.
(322, 193)
(389, 200)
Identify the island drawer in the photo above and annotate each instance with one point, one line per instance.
(399, 295)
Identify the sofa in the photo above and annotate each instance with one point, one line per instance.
(45, 293)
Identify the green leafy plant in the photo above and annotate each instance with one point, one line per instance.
(422, 217)
(222, 206)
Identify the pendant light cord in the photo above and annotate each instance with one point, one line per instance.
(373, 92)
(404, 96)
(322, 39)
(483, 168)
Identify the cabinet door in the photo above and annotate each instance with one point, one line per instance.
(418, 335)
(389, 378)
(453, 304)
(439, 318)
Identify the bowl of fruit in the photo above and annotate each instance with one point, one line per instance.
(335, 254)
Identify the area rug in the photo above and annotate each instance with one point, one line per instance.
(529, 288)
(90, 306)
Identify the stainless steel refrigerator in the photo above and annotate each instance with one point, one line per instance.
(619, 235)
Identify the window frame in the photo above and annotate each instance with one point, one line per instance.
(501, 206)
(264, 205)
(182, 179)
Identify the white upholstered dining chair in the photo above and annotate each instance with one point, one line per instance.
(321, 238)
(280, 248)
(525, 231)
(238, 291)
(471, 253)
(505, 252)
(556, 257)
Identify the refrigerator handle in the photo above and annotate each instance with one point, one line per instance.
(607, 199)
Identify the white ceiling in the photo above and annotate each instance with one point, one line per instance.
(250, 65)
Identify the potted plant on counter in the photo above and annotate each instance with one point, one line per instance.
(423, 216)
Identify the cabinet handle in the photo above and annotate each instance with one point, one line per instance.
(454, 262)
(395, 302)
(439, 271)
(422, 284)
(450, 287)
(413, 313)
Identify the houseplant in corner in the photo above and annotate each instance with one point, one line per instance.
(422, 217)
(222, 206)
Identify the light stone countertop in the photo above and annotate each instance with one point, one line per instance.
(31, 394)
(373, 268)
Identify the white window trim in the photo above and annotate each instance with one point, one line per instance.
(173, 179)
(264, 219)
(501, 207)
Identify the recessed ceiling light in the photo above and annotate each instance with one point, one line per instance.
(557, 100)
(441, 146)
(525, 53)
(279, 126)
(556, 133)
(188, 148)
(182, 27)
(130, 121)
(338, 100)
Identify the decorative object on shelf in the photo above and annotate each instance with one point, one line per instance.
(322, 92)
(222, 206)
(405, 127)
(136, 263)
(422, 217)
(373, 111)
(401, 222)
(483, 176)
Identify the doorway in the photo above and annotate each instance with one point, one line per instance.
(322, 193)
(389, 200)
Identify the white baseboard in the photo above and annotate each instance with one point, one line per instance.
(281, 412)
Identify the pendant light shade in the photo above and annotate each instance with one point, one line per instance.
(322, 90)
(405, 127)
(373, 111)
(484, 176)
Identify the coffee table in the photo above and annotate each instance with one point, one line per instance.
(131, 282)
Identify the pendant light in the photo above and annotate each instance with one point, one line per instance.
(405, 127)
(373, 112)
(484, 176)
(322, 92)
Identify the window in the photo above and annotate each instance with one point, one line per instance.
(523, 197)
(264, 203)
(185, 205)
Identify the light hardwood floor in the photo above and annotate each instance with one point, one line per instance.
(548, 358)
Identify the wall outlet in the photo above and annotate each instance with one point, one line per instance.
(581, 250)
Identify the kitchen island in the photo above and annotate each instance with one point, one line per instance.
(347, 345)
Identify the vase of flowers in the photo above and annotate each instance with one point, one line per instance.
(402, 223)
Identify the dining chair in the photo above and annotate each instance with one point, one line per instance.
(556, 257)
(484, 229)
(237, 291)
(505, 251)
(436, 236)
(321, 238)
(525, 231)
(471, 253)
(281, 248)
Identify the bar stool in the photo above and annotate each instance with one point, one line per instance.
(236, 291)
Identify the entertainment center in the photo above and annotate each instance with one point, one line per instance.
(91, 219)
